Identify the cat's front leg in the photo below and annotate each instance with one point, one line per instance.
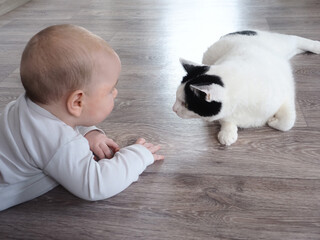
(228, 133)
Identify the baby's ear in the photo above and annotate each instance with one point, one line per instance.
(193, 68)
(75, 103)
(214, 92)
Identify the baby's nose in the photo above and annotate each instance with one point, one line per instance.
(115, 93)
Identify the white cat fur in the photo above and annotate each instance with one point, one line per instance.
(258, 82)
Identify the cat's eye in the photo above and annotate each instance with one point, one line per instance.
(184, 104)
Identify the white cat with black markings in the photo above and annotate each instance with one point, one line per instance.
(245, 81)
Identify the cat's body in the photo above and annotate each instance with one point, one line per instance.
(245, 81)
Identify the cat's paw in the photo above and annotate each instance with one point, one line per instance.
(273, 122)
(227, 137)
(283, 125)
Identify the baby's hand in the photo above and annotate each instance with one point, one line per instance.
(152, 148)
(101, 145)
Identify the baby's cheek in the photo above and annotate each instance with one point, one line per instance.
(109, 107)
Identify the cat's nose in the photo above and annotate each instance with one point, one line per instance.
(174, 108)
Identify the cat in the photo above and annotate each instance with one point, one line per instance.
(245, 80)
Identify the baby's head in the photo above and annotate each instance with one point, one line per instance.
(63, 59)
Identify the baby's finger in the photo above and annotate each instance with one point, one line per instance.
(141, 141)
(158, 157)
(107, 152)
(98, 153)
(154, 149)
(148, 145)
(112, 144)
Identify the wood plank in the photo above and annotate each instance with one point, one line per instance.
(9, 5)
(265, 186)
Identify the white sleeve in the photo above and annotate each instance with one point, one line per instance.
(74, 168)
(84, 130)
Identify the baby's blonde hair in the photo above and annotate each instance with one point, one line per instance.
(58, 60)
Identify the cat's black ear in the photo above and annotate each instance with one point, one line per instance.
(192, 68)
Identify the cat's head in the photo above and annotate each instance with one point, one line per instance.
(200, 93)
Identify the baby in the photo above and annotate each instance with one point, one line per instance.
(47, 136)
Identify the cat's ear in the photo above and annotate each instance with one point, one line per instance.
(188, 65)
(214, 92)
(193, 68)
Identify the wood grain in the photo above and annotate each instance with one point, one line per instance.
(266, 186)
(9, 5)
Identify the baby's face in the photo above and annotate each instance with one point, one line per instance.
(102, 92)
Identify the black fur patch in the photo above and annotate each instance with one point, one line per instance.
(194, 71)
(246, 32)
(196, 102)
(206, 80)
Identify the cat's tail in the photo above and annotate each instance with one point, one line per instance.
(290, 45)
(306, 45)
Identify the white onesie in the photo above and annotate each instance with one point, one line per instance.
(38, 151)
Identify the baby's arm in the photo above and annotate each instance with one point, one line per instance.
(74, 168)
(104, 147)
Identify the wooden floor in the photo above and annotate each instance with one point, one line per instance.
(266, 186)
